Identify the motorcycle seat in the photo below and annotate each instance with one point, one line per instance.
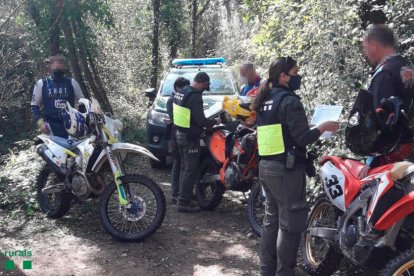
(355, 167)
(66, 143)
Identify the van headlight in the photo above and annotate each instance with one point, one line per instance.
(156, 117)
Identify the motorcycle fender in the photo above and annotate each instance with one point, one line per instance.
(399, 210)
(122, 148)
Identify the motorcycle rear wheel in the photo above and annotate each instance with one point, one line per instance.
(401, 265)
(319, 256)
(143, 216)
(54, 205)
(210, 194)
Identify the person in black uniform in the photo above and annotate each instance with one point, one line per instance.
(189, 121)
(179, 84)
(283, 134)
(380, 49)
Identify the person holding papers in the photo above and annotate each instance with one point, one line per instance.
(283, 134)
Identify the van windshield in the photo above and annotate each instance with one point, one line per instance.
(221, 82)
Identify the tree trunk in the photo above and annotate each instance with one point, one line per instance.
(193, 27)
(33, 11)
(55, 27)
(98, 82)
(74, 60)
(100, 95)
(173, 45)
(226, 4)
(195, 16)
(155, 42)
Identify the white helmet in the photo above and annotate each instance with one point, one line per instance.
(76, 122)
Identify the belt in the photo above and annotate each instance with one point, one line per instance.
(282, 158)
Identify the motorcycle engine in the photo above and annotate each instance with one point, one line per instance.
(351, 235)
(232, 175)
(79, 187)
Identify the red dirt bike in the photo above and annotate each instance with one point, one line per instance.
(230, 163)
(368, 220)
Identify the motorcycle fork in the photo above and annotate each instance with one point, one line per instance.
(116, 169)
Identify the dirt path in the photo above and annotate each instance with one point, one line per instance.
(206, 243)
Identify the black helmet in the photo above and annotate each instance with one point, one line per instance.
(374, 132)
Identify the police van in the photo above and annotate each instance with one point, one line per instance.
(222, 83)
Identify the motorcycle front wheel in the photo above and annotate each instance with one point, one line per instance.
(54, 205)
(320, 256)
(209, 190)
(401, 265)
(141, 217)
(256, 208)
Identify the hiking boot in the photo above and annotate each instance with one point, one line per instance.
(188, 208)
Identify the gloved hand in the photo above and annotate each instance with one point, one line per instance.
(218, 120)
(407, 76)
(43, 127)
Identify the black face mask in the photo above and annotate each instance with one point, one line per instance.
(58, 75)
(294, 82)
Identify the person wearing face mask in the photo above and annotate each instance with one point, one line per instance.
(49, 92)
(249, 78)
(282, 135)
(189, 121)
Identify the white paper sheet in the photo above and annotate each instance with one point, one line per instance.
(325, 113)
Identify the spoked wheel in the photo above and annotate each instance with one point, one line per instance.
(402, 265)
(56, 204)
(256, 208)
(141, 217)
(319, 256)
(209, 189)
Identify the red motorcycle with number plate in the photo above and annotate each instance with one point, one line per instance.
(368, 219)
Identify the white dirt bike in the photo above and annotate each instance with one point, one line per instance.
(132, 207)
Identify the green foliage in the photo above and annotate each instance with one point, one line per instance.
(323, 36)
(401, 17)
(17, 180)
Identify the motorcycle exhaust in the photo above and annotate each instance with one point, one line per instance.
(50, 159)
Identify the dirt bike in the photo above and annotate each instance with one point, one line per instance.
(369, 220)
(131, 207)
(230, 164)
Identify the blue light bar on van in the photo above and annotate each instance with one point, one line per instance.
(198, 61)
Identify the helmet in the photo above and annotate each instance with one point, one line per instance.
(236, 108)
(76, 122)
(374, 131)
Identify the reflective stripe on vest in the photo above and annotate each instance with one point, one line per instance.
(181, 116)
(270, 140)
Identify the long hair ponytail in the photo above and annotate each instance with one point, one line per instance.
(281, 65)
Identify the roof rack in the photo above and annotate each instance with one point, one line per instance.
(198, 62)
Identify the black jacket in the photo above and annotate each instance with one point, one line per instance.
(284, 107)
(192, 99)
(386, 82)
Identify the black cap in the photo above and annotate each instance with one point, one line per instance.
(202, 77)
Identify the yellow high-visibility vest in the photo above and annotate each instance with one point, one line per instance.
(181, 116)
(270, 140)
